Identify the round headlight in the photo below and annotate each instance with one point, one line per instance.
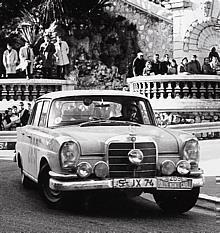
(191, 150)
(69, 154)
(168, 167)
(101, 169)
(135, 156)
(183, 167)
(84, 169)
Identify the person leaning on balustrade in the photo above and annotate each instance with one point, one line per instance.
(165, 64)
(148, 69)
(183, 66)
(10, 59)
(206, 67)
(215, 65)
(194, 66)
(172, 68)
(156, 64)
(138, 64)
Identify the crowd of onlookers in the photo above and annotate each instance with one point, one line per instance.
(49, 53)
(15, 117)
(211, 65)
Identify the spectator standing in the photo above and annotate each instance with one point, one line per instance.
(138, 64)
(10, 59)
(165, 64)
(47, 50)
(9, 125)
(214, 65)
(23, 114)
(206, 67)
(26, 56)
(214, 53)
(194, 66)
(156, 64)
(172, 68)
(2, 67)
(148, 69)
(62, 60)
(183, 67)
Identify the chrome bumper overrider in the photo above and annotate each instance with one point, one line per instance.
(105, 184)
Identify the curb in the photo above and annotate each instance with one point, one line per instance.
(207, 202)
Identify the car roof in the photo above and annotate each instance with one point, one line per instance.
(61, 94)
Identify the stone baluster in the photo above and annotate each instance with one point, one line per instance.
(147, 92)
(202, 90)
(210, 91)
(217, 91)
(177, 90)
(34, 91)
(154, 90)
(161, 90)
(169, 90)
(185, 90)
(11, 93)
(194, 90)
(4, 91)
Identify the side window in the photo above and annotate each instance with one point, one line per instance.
(43, 116)
(36, 117)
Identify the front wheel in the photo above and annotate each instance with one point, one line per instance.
(176, 201)
(53, 198)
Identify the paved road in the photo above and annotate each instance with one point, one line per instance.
(23, 211)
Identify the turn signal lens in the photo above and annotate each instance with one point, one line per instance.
(168, 167)
(101, 169)
(84, 169)
(183, 167)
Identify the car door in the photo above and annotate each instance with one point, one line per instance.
(39, 136)
(31, 134)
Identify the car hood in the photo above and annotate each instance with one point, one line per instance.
(92, 139)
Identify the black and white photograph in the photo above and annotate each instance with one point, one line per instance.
(109, 116)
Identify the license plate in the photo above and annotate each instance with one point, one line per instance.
(170, 183)
(134, 183)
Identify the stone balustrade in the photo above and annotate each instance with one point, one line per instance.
(28, 90)
(179, 92)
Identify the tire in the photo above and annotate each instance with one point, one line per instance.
(54, 199)
(176, 201)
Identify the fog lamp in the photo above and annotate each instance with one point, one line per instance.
(101, 169)
(84, 169)
(183, 167)
(135, 156)
(168, 167)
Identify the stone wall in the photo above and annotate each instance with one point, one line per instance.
(154, 35)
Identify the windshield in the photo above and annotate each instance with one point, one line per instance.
(110, 109)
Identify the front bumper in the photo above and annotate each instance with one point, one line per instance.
(145, 183)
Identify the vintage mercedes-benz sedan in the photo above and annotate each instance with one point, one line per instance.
(107, 140)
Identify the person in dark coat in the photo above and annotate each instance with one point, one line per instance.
(138, 64)
(183, 66)
(194, 66)
(165, 64)
(156, 64)
(206, 68)
(214, 53)
(23, 115)
(47, 50)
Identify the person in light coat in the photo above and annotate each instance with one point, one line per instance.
(10, 59)
(26, 56)
(61, 55)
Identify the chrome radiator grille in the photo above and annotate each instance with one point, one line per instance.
(120, 165)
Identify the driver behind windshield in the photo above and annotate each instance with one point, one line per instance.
(130, 112)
